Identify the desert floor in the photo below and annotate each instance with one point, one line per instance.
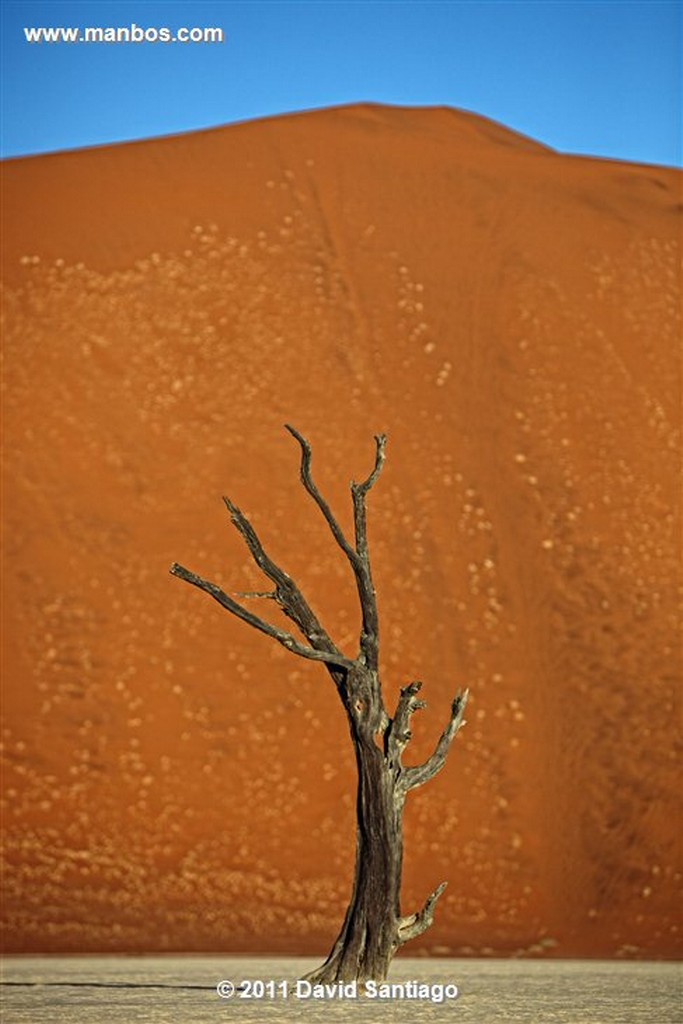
(182, 988)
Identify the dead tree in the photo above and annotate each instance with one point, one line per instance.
(374, 927)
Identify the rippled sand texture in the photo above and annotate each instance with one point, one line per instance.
(508, 316)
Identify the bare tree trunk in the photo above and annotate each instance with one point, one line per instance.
(374, 927)
(368, 938)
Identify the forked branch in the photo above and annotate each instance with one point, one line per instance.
(333, 659)
(358, 557)
(287, 593)
(422, 773)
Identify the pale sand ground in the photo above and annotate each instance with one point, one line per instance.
(163, 990)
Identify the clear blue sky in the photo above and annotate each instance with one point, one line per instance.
(600, 78)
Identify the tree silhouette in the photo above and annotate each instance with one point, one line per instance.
(374, 928)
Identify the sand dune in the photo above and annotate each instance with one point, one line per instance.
(510, 318)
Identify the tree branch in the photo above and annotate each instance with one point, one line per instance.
(287, 593)
(307, 481)
(414, 925)
(399, 734)
(417, 776)
(358, 558)
(333, 659)
(359, 492)
(369, 642)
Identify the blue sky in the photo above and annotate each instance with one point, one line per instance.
(599, 78)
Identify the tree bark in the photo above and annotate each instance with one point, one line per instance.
(368, 938)
(373, 927)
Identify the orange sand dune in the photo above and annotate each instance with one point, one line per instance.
(508, 316)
